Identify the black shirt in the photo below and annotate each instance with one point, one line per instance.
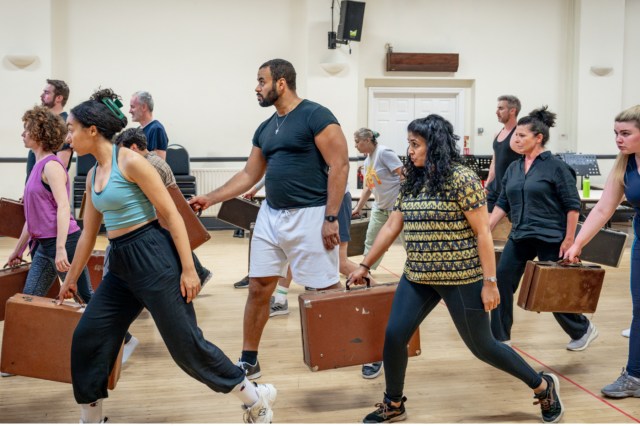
(296, 173)
(504, 156)
(539, 201)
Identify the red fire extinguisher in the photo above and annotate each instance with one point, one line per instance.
(360, 178)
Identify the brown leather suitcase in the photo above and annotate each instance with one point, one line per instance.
(196, 231)
(498, 251)
(556, 287)
(502, 230)
(12, 214)
(341, 328)
(239, 212)
(95, 265)
(12, 281)
(358, 231)
(606, 247)
(37, 339)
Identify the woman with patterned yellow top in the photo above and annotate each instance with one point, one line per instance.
(449, 257)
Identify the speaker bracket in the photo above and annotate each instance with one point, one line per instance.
(333, 40)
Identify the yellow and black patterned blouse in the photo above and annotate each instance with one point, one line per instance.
(441, 246)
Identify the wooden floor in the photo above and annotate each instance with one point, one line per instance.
(445, 384)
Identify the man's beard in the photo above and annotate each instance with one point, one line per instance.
(48, 105)
(271, 97)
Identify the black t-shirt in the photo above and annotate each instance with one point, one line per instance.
(296, 173)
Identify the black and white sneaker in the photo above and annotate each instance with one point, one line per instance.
(549, 400)
(243, 283)
(252, 371)
(371, 371)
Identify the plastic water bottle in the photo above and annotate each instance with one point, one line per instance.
(586, 187)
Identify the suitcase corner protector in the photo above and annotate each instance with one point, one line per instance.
(307, 304)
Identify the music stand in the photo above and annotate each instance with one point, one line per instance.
(583, 164)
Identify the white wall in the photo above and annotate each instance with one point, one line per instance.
(199, 59)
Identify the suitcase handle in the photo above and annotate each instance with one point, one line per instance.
(367, 282)
(568, 264)
(22, 263)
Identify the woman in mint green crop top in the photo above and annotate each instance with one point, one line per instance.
(149, 267)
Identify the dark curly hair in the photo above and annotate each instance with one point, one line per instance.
(132, 136)
(539, 121)
(95, 112)
(45, 127)
(442, 152)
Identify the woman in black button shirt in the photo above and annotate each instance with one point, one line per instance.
(539, 192)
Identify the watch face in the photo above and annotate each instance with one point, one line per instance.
(331, 218)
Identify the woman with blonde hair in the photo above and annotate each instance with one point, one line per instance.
(623, 181)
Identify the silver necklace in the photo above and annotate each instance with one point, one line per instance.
(278, 124)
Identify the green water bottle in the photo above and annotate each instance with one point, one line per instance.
(586, 187)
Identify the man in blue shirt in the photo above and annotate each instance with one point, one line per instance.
(141, 110)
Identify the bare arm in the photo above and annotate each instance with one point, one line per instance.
(492, 171)
(57, 177)
(15, 258)
(137, 169)
(364, 197)
(572, 223)
(496, 215)
(333, 146)
(90, 227)
(387, 235)
(601, 213)
(161, 153)
(478, 220)
(240, 183)
(65, 156)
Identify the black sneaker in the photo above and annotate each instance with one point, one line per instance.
(386, 413)
(205, 276)
(549, 400)
(243, 283)
(371, 371)
(252, 371)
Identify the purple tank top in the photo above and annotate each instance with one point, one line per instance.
(40, 208)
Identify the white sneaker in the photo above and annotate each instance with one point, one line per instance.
(261, 411)
(626, 333)
(506, 342)
(129, 347)
(583, 342)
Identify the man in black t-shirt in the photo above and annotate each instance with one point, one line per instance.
(304, 152)
(503, 155)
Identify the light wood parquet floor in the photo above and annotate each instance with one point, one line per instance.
(445, 384)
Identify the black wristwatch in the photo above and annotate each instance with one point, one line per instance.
(330, 218)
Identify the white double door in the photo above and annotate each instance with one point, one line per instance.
(392, 109)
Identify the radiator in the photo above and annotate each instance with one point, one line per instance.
(209, 179)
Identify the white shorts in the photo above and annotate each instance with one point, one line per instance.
(293, 236)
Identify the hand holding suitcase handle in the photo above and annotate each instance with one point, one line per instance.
(17, 265)
(367, 283)
(569, 264)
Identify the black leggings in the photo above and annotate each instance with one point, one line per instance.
(510, 270)
(411, 305)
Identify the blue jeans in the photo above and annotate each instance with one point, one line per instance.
(43, 272)
(144, 272)
(633, 362)
(510, 270)
(411, 305)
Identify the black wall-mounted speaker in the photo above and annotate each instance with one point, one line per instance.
(351, 17)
